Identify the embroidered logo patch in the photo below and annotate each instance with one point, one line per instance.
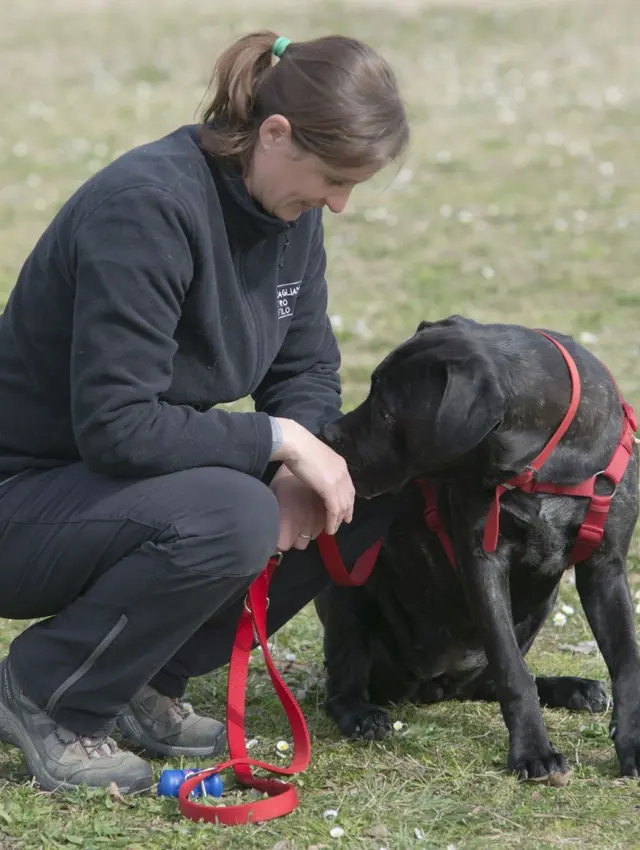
(286, 294)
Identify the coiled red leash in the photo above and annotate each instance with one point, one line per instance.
(282, 797)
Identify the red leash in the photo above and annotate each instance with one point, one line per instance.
(282, 796)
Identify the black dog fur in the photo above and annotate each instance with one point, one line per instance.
(468, 406)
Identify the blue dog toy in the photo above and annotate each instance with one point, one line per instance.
(171, 780)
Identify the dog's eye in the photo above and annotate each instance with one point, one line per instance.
(387, 420)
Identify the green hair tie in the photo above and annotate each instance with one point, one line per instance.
(280, 45)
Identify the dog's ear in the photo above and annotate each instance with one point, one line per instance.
(471, 406)
(423, 326)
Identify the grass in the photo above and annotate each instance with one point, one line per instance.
(519, 201)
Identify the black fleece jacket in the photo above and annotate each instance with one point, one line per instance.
(160, 290)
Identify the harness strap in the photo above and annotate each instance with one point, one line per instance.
(433, 519)
(490, 539)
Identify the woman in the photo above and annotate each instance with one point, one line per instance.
(134, 512)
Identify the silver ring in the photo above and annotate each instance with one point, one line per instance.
(306, 536)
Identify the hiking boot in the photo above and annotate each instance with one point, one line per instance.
(58, 758)
(168, 727)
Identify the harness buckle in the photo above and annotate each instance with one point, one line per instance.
(520, 481)
(591, 535)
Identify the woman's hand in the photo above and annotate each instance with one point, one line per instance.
(322, 469)
(302, 511)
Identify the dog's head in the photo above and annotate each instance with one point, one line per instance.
(432, 401)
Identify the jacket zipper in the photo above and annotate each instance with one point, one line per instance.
(256, 323)
(284, 246)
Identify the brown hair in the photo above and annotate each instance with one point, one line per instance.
(340, 97)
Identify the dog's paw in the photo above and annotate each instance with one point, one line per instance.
(540, 764)
(360, 719)
(573, 693)
(628, 755)
(626, 737)
(589, 695)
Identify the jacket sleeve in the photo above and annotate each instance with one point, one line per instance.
(132, 267)
(303, 381)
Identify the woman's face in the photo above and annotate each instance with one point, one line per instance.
(287, 181)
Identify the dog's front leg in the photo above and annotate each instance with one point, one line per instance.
(348, 659)
(604, 593)
(486, 578)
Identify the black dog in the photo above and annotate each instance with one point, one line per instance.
(468, 406)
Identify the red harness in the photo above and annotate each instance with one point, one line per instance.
(591, 531)
(281, 796)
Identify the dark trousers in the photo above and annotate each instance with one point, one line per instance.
(142, 581)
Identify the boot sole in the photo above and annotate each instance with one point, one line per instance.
(13, 732)
(135, 734)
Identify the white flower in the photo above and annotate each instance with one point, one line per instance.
(560, 224)
(290, 656)
(587, 337)
(638, 608)
(33, 180)
(337, 322)
(580, 215)
(554, 138)
(613, 95)
(559, 619)
(443, 157)
(540, 78)
(418, 834)
(487, 272)
(336, 832)
(80, 145)
(506, 115)
(380, 214)
(403, 177)
(20, 149)
(568, 610)
(330, 814)
(398, 725)
(282, 747)
(253, 742)
(360, 328)
(607, 169)
(445, 211)
(465, 217)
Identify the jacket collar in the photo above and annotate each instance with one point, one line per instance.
(247, 222)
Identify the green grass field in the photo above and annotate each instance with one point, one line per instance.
(519, 201)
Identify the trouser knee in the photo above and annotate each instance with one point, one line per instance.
(233, 532)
